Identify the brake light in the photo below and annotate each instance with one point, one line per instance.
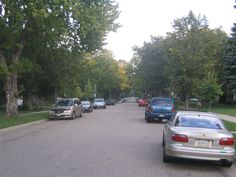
(149, 109)
(179, 138)
(226, 141)
(173, 109)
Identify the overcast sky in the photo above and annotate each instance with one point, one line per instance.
(142, 18)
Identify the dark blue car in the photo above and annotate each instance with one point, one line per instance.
(159, 109)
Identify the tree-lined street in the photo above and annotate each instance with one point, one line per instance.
(113, 142)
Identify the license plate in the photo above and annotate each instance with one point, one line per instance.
(161, 115)
(203, 143)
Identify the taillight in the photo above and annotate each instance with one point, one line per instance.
(173, 109)
(149, 109)
(226, 141)
(179, 138)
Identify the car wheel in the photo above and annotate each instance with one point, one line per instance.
(81, 115)
(73, 115)
(149, 120)
(165, 158)
(226, 163)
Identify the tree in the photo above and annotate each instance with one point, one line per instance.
(230, 62)
(209, 89)
(152, 66)
(195, 51)
(74, 25)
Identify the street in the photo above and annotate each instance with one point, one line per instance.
(112, 142)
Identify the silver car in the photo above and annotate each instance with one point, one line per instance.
(197, 135)
(99, 103)
(66, 108)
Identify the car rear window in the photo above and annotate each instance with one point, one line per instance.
(99, 100)
(199, 122)
(161, 102)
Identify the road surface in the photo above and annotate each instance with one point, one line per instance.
(114, 142)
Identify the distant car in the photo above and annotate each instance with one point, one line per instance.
(66, 108)
(99, 103)
(110, 102)
(142, 102)
(198, 135)
(159, 109)
(87, 106)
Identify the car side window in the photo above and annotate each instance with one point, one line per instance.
(78, 102)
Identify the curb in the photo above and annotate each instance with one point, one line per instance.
(5, 130)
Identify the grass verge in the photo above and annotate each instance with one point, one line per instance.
(9, 122)
(231, 126)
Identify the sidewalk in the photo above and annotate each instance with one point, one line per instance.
(227, 117)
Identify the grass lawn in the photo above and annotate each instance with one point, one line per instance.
(231, 126)
(225, 109)
(9, 122)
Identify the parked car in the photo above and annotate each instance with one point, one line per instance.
(99, 103)
(111, 102)
(159, 109)
(198, 135)
(142, 102)
(87, 106)
(66, 108)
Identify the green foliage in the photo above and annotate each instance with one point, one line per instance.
(151, 70)
(195, 51)
(209, 89)
(180, 61)
(43, 42)
(89, 90)
(230, 62)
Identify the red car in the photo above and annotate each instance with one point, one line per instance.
(142, 102)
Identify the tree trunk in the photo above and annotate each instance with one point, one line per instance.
(187, 102)
(10, 81)
(10, 85)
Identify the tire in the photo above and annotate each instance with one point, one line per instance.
(73, 116)
(81, 115)
(149, 120)
(225, 163)
(165, 158)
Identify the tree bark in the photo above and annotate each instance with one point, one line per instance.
(10, 82)
(11, 92)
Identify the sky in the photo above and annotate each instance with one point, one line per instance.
(140, 19)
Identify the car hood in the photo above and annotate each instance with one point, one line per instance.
(62, 108)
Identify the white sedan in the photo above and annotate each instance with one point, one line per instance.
(198, 135)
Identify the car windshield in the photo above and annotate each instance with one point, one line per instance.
(161, 102)
(65, 103)
(85, 103)
(99, 100)
(199, 122)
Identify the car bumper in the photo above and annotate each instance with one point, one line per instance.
(60, 116)
(201, 154)
(87, 109)
(99, 106)
(159, 116)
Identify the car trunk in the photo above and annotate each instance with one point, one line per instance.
(202, 138)
(162, 109)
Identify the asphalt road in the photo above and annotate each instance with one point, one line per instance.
(115, 142)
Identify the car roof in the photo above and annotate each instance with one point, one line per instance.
(197, 113)
(166, 98)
